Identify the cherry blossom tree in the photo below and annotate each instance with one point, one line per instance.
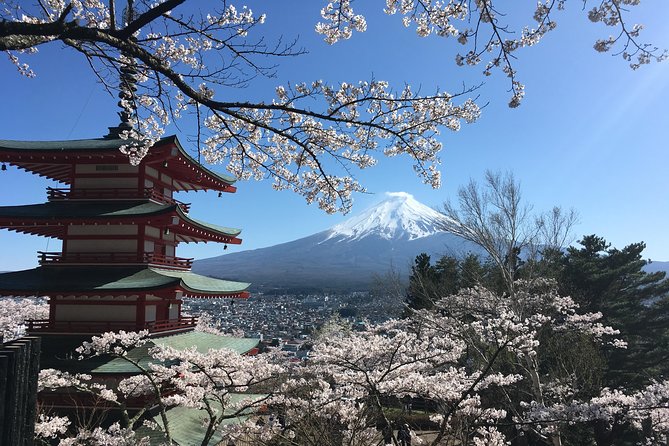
(173, 377)
(476, 360)
(645, 411)
(467, 359)
(310, 135)
(15, 312)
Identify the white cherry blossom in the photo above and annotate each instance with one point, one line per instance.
(313, 137)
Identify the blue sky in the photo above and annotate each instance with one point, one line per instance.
(591, 133)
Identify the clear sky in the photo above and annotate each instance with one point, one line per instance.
(591, 133)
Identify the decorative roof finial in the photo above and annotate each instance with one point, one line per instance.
(127, 85)
(126, 95)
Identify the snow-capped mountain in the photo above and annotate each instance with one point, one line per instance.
(398, 217)
(347, 256)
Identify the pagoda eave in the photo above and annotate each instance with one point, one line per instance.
(202, 295)
(53, 219)
(163, 327)
(188, 173)
(57, 160)
(115, 281)
(184, 233)
(120, 225)
(96, 297)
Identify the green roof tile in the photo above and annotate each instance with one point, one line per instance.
(104, 210)
(45, 280)
(203, 342)
(68, 145)
(66, 209)
(186, 424)
(195, 282)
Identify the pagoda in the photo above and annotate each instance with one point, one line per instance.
(120, 226)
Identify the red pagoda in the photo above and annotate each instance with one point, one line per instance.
(119, 225)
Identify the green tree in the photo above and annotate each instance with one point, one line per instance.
(422, 289)
(472, 272)
(429, 283)
(612, 281)
(447, 270)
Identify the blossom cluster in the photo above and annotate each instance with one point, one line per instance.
(116, 343)
(610, 13)
(291, 142)
(312, 135)
(481, 25)
(340, 21)
(173, 377)
(15, 312)
(645, 410)
(462, 357)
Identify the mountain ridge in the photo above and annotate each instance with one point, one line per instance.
(382, 239)
(348, 256)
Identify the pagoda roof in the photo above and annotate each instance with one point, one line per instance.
(51, 219)
(185, 423)
(202, 342)
(54, 159)
(101, 281)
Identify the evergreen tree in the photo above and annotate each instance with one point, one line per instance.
(422, 290)
(472, 272)
(447, 275)
(612, 281)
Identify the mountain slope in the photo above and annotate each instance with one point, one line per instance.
(347, 256)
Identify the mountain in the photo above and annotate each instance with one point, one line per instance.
(655, 266)
(347, 256)
(399, 217)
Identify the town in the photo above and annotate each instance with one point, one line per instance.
(290, 320)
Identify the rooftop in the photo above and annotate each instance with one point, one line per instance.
(54, 159)
(203, 342)
(50, 219)
(114, 280)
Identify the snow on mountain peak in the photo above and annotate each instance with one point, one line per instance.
(399, 216)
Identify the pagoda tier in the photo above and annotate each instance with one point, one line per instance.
(91, 299)
(113, 220)
(110, 370)
(87, 162)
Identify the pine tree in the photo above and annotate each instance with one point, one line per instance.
(447, 275)
(422, 290)
(612, 281)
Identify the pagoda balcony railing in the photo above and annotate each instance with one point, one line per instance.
(46, 325)
(113, 194)
(131, 258)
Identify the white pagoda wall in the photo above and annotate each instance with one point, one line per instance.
(101, 246)
(174, 311)
(106, 183)
(150, 313)
(98, 312)
(102, 230)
